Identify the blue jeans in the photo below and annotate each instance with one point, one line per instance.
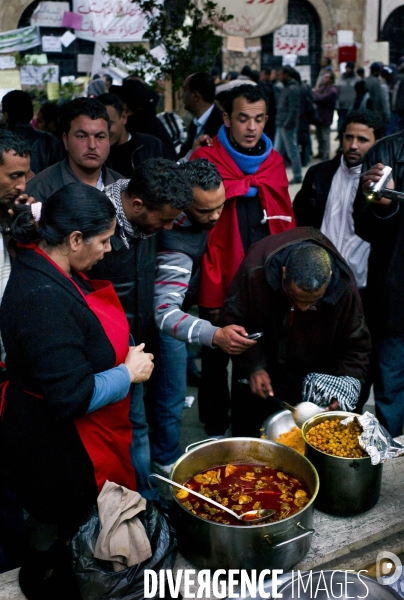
(169, 390)
(286, 145)
(389, 384)
(140, 447)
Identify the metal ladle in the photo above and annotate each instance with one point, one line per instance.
(300, 413)
(265, 513)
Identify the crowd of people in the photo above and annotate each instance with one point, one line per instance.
(116, 222)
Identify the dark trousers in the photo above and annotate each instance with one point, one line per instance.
(13, 535)
(248, 411)
(389, 384)
(213, 396)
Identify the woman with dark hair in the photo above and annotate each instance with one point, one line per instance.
(65, 427)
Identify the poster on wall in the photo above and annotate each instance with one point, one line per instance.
(291, 39)
(51, 43)
(110, 20)
(7, 62)
(49, 14)
(10, 80)
(31, 75)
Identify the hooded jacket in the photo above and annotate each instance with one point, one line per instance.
(329, 338)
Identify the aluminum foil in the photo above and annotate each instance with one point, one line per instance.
(375, 440)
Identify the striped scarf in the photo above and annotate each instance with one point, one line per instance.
(322, 389)
(114, 191)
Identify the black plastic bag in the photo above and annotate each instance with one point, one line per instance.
(98, 581)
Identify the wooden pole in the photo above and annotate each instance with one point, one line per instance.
(168, 95)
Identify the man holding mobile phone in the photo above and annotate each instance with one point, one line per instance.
(179, 257)
(299, 291)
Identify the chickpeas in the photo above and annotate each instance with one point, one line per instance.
(331, 437)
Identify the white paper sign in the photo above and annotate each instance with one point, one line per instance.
(7, 62)
(345, 37)
(42, 75)
(291, 39)
(67, 38)
(84, 63)
(289, 59)
(236, 44)
(379, 52)
(49, 14)
(67, 79)
(51, 43)
(305, 72)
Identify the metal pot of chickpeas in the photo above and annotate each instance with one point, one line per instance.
(349, 483)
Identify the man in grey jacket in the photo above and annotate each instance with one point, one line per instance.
(346, 93)
(287, 121)
(374, 87)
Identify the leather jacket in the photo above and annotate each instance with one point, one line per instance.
(383, 228)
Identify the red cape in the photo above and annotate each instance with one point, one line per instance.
(225, 249)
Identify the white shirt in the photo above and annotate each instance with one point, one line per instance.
(200, 122)
(5, 269)
(338, 223)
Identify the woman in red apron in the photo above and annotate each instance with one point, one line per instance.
(65, 428)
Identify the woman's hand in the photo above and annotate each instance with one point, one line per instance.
(139, 364)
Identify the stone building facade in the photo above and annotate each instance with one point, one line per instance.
(325, 18)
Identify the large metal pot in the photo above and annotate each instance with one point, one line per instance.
(210, 545)
(349, 486)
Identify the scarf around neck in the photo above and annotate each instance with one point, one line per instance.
(248, 164)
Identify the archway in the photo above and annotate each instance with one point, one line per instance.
(393, 33)
(67, 60)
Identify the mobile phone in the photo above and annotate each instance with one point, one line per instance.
(375, 187)
(255, 336)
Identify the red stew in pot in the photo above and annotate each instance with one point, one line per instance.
(244, 487)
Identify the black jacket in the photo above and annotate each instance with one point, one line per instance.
(309, 203)
(54, 345)
(124, 158)
(131, 271)
(383, 228)
(46, 150)
(211, 128)
(332, 338)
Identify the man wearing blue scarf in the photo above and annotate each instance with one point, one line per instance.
(257, 204)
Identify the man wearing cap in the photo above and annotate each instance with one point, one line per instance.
(346, 93)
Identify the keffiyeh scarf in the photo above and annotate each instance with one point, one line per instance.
(322, 389)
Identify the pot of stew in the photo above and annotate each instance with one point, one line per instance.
(244, 474)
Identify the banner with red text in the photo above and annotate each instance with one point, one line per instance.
(122, 20)
(253, 18)
(110, 20)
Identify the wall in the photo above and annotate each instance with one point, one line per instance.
(10, 13)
